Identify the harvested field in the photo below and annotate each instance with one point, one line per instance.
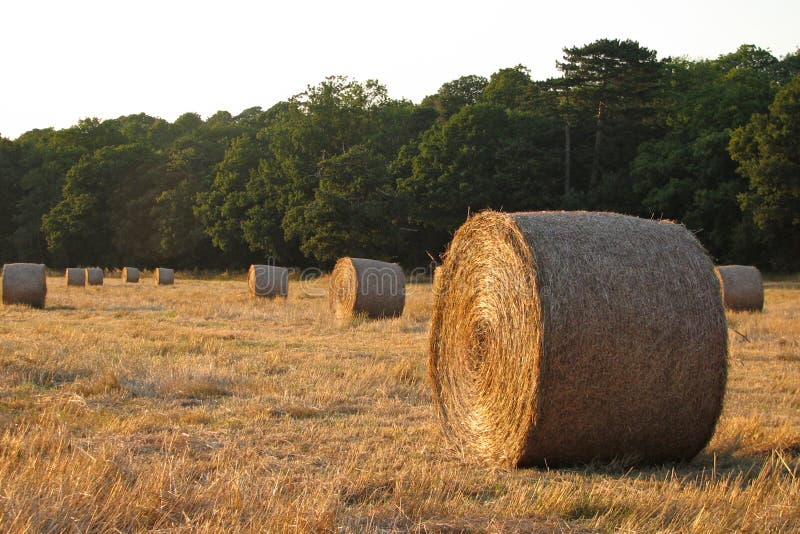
(201, 409)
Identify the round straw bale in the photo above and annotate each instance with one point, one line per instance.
(435, 277)
(75, 276)
(24, 283)
(268, 281)
(163, 276)
(130, 275)
(94, 276)
(372, 288)
(568, 337)
(742, 287)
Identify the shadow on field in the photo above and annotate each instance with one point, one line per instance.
(27, 372)
(737, 468)
(134, 308)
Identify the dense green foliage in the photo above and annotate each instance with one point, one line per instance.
(342, 169)
(767, 149)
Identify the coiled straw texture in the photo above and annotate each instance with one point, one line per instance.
(130, 275)
(371, 288)
(94, 276)
(742, 287)
(24, 283)
(75, 276)
(570, 337)
(163, 276)
(268, 281)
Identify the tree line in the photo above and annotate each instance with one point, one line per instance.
(343, 169)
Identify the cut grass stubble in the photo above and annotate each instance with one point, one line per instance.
(197, 409)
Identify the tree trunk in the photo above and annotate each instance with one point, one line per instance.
(596, 153)
(567, 158)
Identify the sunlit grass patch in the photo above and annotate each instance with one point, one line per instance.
(198, 410)
(407, 371)
(193, 387)
(97, 384)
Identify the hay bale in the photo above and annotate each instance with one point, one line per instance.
(75, 276)
(372, 288)
(566, 337)
(268, 281)
(435, 278)
(742, 287)
(130, 275)
(164, 277)
(94, 276)
(24, 283)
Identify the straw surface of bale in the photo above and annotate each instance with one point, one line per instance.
(24, 283)
(130, 275)
(742, 287)
(75, 276)
(94, 276)
(164, 277)
(560, 338)
(435, 278)
(268, 281)
(372, 288)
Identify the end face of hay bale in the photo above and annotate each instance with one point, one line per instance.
(568, 337)
(268, 281)
(130, 275)
(163, 276)
(372, 288)
(24, 283)
(75, 276)
(94, 276)
(742, 287)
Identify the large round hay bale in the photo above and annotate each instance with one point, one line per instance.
(372, 288)
(94, 276)
(24, 283)
(75, 276)
(130, 275)
(163, 276)
(742, 287)
(567, 337)
(268, 281)
(436, 278)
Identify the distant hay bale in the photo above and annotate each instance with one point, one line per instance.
(742, 287)
(94, 276)
(268, 281)
(130, 275)
(24, 283)
(75, 276)
(567, 337)
(372, 288)
(164, 277)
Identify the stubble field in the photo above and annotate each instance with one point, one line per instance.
(193, 408)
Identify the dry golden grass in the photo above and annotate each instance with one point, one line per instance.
(194, 408)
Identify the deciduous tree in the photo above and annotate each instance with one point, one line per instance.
(767, 150)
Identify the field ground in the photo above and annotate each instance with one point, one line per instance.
(193, 408)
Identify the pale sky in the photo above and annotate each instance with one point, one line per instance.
(67, 60)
